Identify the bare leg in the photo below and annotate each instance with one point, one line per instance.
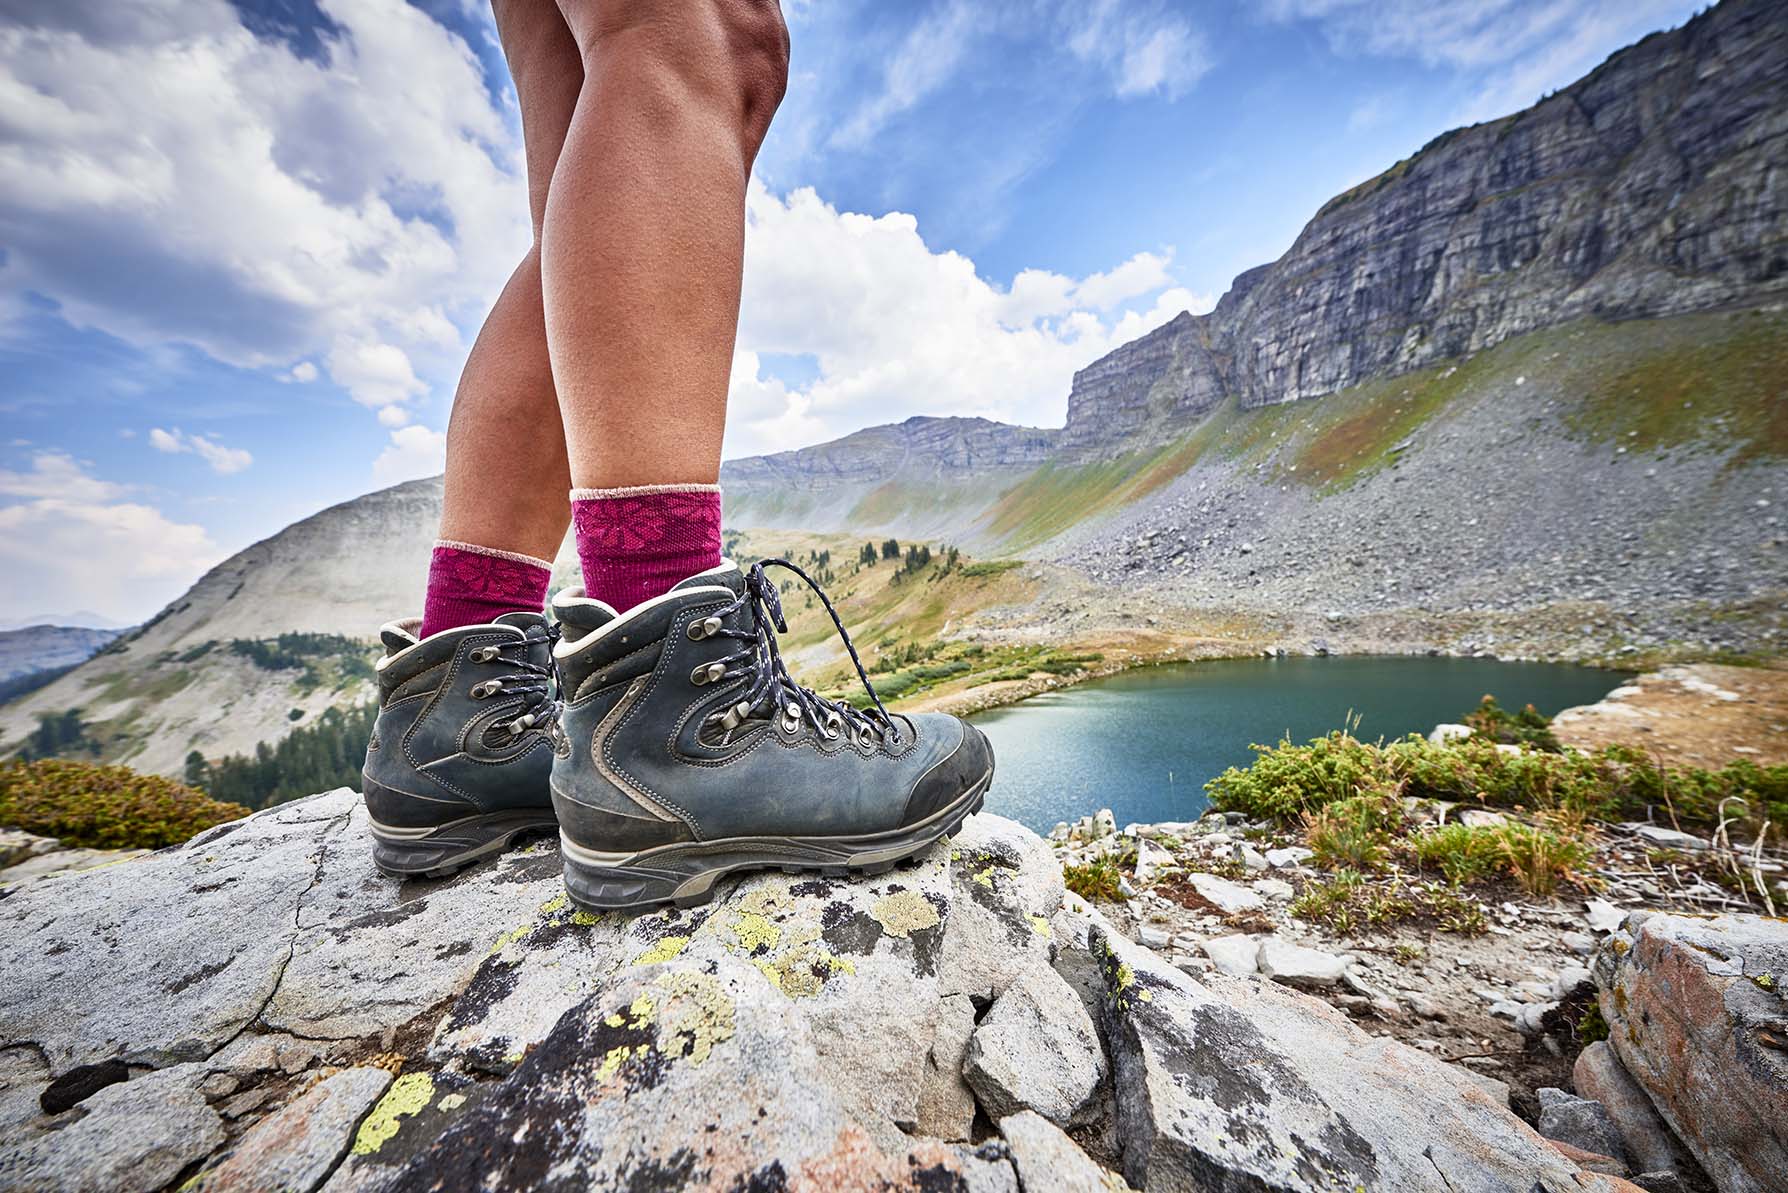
(643, 244)
(507, 474)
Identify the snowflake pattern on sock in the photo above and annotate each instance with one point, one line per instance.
(636, 544)
(468, 586)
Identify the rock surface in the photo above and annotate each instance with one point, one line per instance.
(1650, 1145)
(1037, 1049)
(1697, 1013)
(799, 1032)
(1048, 1161)
(1225, 1083)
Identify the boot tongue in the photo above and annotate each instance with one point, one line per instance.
(578, 615)
(399, 635)
(523, 620)
(727, 575)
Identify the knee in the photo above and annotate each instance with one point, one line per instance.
(728, 53)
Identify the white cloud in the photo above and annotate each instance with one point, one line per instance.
(925, 60)
(223, 460)
(1542, 45)
(81, 547)
(1140, 47)
(1146, 49)
(897, 329)
(413, 452)
(167, 176)
(57, 475)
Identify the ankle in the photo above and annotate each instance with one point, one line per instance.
(640, 542)
(473, 585)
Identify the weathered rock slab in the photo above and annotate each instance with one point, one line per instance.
(1231, 1084)
(297, 1147)
(1650, 1144)
(134, 1137)
(1036, 1049)
(1583, 1123)
(1048, 1161)
(1697, 1012)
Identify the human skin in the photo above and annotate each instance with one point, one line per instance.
(644, 243)
(604, 362)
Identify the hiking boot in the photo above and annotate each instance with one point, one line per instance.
(688, 752)
(458, 762)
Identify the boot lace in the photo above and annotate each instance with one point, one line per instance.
(525, 678)
(771, 685)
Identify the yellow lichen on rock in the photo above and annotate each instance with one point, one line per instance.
(755, 931)
(408, 1096)
(697, 1014)
(1040, 925)
(903, 913)
(664, 950)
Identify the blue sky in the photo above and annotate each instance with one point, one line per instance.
(244, 246)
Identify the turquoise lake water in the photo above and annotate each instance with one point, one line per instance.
(1144, 743)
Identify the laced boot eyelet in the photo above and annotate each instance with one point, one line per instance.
(707, 627)
(489, 687)
(733, 717)
(708, 673)
(791, 719)
(484, 654)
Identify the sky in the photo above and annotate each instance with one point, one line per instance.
(245, 246)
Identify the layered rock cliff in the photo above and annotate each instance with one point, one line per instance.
(1653, 186)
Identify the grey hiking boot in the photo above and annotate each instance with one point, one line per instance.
(458, 762)
(688, 752)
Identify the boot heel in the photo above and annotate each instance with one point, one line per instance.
(618, 887)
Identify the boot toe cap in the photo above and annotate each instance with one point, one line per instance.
(942, 785)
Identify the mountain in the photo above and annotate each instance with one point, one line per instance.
(1523, 392)
(916, 474)
(1651, 187)
(37, 647)
(82, 619)
(179, 683)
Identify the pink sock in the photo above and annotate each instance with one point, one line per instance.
(639, 543)
(470, 585)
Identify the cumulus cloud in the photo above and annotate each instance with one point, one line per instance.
(897, 329)
(72, 541)
(413, 452)
(167, 176)
(223, 460)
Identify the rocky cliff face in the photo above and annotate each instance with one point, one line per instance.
(1651, 187)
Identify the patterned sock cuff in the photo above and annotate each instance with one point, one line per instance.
(639, 491)
(511, 556)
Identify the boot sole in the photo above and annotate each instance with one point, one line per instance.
(444, 850)
(685, 874)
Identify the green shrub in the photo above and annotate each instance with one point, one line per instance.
(1286, 781)
(990, 567)
(1463, 854)
(105, 807)
(1540, 859)
(1355, 833)
(1349, 902)
(1529, 727)
(1096, 880)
